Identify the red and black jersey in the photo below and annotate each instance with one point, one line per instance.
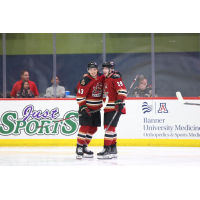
(115, 89)
(90, 92)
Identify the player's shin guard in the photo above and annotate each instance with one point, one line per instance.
(90, 134)
(114, 138)
(82, 135)
(81, 141)
(109, 135)
(108, 138)
(89, 153)
(88, 139)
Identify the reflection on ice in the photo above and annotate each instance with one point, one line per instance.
(127, 156)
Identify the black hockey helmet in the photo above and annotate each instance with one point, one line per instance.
(92, 65)
(109, 64)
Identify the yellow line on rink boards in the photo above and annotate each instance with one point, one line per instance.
(100, 142)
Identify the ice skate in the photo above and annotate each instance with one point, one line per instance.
(87, 153)
(105, 154)
(114, 150)
(79, 152)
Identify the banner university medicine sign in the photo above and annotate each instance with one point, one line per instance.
(145, 119)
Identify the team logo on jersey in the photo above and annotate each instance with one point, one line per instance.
(146, 108)
(163, 108)
(83, 82)
(97, 90)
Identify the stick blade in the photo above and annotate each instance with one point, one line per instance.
(179, 96)
(194, 104)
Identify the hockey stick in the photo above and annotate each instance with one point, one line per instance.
(132, 84)
(93, 111)
(180, 98)
(117, 111)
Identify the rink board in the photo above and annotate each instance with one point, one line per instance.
(148, 122)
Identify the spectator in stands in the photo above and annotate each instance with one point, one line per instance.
(25, 91)
(143, 90)
(60, 90)
(75, 89)
(7, 95)
(17, 86)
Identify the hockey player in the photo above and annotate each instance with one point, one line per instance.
(115, 89)
(89, 97)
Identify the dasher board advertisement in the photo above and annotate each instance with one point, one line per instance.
(145, 119)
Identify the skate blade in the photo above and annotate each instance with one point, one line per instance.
(79, 157)
(114, 155)
(105, 157)
(88, 156)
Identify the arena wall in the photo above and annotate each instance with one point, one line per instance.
(148, 122)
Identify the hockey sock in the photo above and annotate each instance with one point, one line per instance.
(108, 138)
(114, 138)
(109, 135)
(82, 135)
(89, 135)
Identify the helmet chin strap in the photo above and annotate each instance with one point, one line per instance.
(110, 71)
(93, 76)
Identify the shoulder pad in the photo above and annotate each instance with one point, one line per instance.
(85, 81)
(115, 76)
(116, 72)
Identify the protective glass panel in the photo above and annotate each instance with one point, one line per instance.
(177, 62)
(131, 53)
(73, 53)
(32, 52)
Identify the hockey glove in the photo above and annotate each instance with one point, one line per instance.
(84, 111)
(119, 105)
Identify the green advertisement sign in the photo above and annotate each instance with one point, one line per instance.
(11, 124)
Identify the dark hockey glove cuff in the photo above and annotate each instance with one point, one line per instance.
(84, 110)
(119, 105)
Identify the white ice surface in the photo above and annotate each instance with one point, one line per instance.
(127, 156)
